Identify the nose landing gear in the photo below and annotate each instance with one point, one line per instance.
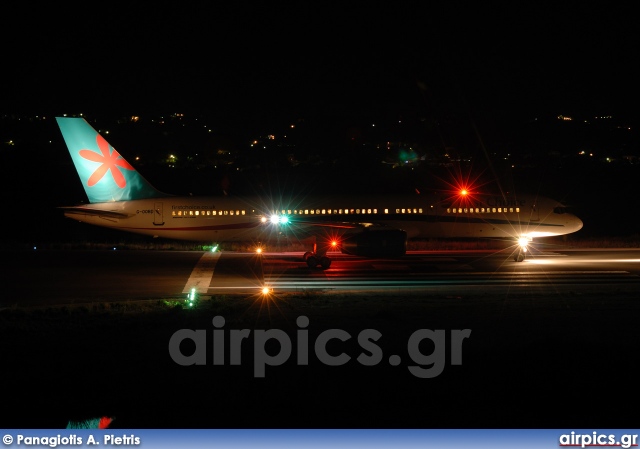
(521, 252)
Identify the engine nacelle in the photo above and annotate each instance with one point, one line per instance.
(376, 243)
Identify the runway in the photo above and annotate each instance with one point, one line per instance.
(43, 277)
(448, 273)
(556, 333)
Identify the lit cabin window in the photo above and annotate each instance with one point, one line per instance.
(288, 211)
(403, 211)
(306, 211)
(465, 210)
(329, 211)
(375, 211)
(324, 211)
(243, 212)
(511, 209)
(482, 210)
(357, 211)
(226, 212)
(230, 212)
(386, 211)
(499, 210)
(351, 211)
(317, 211)
(493, 210)
(517, 209)
(459, 210)
(313, 211)
(397, 211)
(448, 210)
(214, 212)
(191, 212)
(455, 210)
(339, 211)
(420, 210)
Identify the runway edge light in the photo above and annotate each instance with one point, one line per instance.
(192, 298)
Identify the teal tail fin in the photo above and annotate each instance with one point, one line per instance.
(105, 175)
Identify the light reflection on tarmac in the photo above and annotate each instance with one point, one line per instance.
(58, 277)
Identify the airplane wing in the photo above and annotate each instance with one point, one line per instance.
(357, 238)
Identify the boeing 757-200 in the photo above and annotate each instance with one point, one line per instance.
(370, 226)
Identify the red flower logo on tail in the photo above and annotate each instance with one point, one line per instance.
(108, 161)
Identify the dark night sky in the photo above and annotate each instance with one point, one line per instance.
(332, 60)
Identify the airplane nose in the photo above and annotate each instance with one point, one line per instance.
(577, 223)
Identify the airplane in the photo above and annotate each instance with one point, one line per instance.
(370, 226)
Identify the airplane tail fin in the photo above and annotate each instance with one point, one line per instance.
(105, 175)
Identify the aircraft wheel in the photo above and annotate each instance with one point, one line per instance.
(519, 257)
(312, 261)
(307, 255)
(325, 262)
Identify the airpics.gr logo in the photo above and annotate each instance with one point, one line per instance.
(108, 160)
(426, 365)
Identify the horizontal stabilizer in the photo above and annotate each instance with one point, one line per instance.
(80, 210)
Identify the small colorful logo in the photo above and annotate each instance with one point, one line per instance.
(109, 161)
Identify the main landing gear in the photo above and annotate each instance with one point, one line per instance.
(313, 259)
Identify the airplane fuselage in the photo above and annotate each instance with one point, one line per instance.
(225, 218)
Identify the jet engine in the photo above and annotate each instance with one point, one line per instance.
(376, 243)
